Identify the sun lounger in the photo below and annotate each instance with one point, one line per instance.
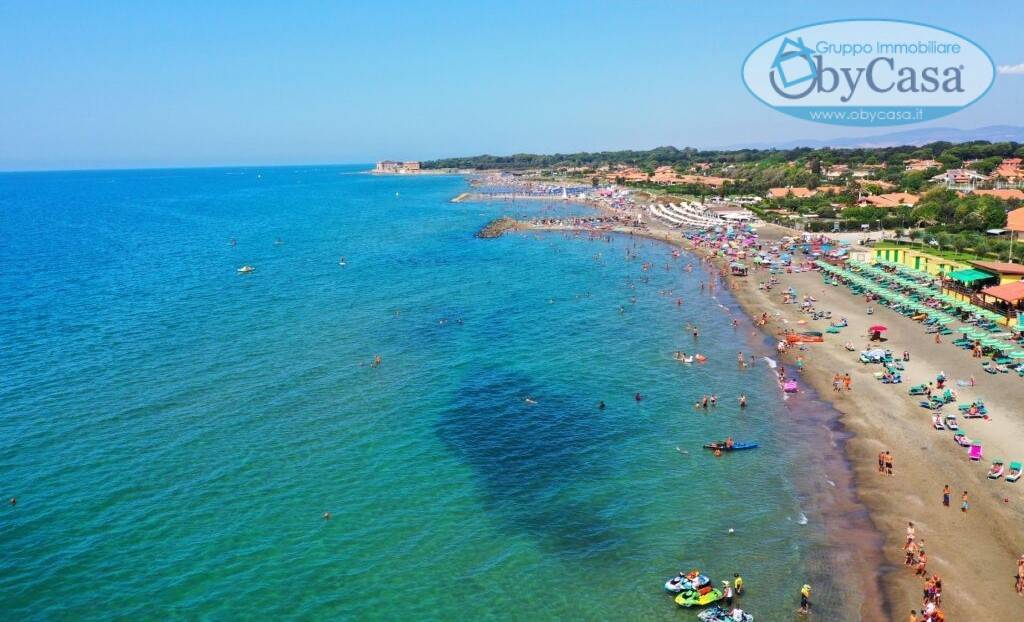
(1014, 473)
(975, 453)
(996, 470)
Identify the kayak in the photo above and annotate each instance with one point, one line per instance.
(683, 582)
(735, 446)
(714, 613)
(699, 598)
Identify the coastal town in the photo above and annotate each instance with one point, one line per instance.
(914, 333)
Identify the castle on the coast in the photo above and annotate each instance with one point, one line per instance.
(391, 166)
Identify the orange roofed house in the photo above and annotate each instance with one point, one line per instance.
(798, 193)
(891, 199)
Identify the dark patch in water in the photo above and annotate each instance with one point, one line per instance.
(528, 459)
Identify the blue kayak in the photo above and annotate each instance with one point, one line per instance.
(735, 446)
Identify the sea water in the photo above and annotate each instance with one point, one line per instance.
(174, 431)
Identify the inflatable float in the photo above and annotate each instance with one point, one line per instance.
(789, 386)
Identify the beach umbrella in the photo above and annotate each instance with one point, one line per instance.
(877, 328)
(965, 330)
(946, 320)
(1017, 354)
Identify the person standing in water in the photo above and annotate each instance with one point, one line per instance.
(805, 599)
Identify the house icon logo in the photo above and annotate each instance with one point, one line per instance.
(794, 62)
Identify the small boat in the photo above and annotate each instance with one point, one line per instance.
(699, 598)
(692, 580)
(246, 269)
(714, 613)
(996, 471)
(735, 446)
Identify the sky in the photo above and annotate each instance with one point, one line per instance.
(196, 83)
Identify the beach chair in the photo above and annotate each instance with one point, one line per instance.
(996, 470)
(918, 389)
(975, 452)
(1014, 473)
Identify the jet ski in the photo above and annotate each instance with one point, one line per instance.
(699, 598)
(692, 580)
(714, 613)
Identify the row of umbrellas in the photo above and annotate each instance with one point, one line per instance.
(941, 317)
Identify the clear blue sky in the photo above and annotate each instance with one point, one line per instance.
(126, 84)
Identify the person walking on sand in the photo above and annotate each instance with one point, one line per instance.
(963, 503)
(837, 380)
(922, 561)
(888, 462)
(910, 535)
(847, 381)
(945, 495)
(881, 463)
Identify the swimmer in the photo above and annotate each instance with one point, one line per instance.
(327, 516)
(600, 405)
(529, 400)
(743, 401)
(14, 501)
(638, 397)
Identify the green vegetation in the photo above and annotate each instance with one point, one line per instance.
(769, 162)
(957, 246)
(754, 171)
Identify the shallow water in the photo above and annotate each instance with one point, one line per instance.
(174, 431)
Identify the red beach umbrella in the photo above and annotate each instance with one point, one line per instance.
(878, 328)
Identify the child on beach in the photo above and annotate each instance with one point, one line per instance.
(945, 495)
(963, 503)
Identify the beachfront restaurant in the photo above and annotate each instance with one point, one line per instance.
(1006, 300)
(991, 285)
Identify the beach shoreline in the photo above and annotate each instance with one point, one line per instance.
(880, 417)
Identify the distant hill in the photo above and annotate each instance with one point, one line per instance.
(916, 137)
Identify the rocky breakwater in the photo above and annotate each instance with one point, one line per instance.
(497, 227)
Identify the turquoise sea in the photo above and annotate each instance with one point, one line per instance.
(174, 431)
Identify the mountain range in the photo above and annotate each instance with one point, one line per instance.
(922, 136)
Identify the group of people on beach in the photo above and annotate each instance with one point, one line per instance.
(917, 559)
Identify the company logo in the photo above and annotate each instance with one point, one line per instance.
(868, 72)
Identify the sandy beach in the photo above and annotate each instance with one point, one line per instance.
(974, 552)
